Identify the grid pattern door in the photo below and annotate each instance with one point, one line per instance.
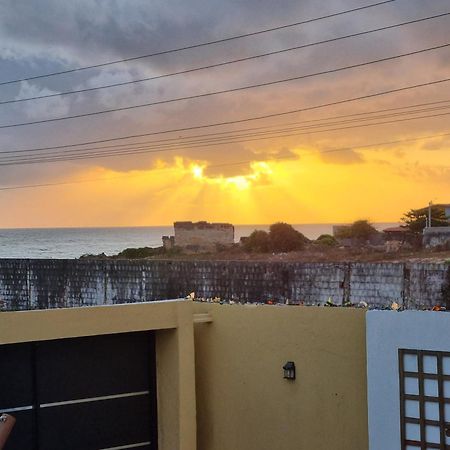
(424, 399)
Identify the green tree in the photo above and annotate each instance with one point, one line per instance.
(327, 240)
(257, 242)
(416, 219)
(284, 238)
(360, 229)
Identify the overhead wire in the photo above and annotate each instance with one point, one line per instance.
(102, 141)
(248, 119)
(272, 158)
(224, 91)
(12, 161)
(198, 45)
(273, 130)
(218, 140)
(221, 140)
(221, 64)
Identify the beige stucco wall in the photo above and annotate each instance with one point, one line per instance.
(243, 402)
(173, 323)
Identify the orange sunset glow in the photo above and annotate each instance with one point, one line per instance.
(357, 127)
(304, 189)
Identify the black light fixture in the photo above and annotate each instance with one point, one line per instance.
(289, 370)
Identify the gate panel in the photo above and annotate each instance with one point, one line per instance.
(93, 366)
(16, 393)
(93, 393)
(96, 392)
(97, 425)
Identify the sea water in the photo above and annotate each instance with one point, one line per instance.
(64, 243)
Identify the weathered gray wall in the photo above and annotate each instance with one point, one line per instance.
(436, 237)
(31, 284)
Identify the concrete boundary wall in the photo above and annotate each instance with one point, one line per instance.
(40, 284)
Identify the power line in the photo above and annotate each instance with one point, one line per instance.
(27, 186)
(12, 161)
(225, 91)
(273, 158)
(249, 119)
(221, 64)
(102, 141)
(211, 138)
(203, 44)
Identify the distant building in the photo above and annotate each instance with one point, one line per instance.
(398, 238)
(399, 233)
(200, 236)
(338, 230)
(438, 237)
(447, 211)
(434, 237)
(168, 242)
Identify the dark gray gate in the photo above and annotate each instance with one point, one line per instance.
(91, 393)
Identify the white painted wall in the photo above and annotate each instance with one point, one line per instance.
(387, 331)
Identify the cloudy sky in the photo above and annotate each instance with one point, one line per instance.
(308, 167)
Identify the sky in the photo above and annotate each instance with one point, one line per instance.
(312, 166)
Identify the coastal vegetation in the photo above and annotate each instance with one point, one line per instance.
(327, 240)
(360, 229)
(281, 237)
(415, 220)
(359, 241)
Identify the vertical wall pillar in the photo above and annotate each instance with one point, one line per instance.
(175, 361)
(346, 283)
(406, 291)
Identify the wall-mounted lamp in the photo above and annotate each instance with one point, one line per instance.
(289, 370)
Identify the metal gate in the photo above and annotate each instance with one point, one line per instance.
(90, 393)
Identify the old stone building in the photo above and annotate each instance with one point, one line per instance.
(200, 236)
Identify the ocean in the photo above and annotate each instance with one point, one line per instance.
(67, 243)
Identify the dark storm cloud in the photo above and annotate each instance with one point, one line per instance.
(50, 35)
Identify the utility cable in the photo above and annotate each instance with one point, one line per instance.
(211, 138)
(102, 141)
(203, 44)
(12, 161)
(225, 91)
(273, 158)
(221, 64)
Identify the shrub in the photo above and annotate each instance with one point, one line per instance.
(143, 252)
(257, 242)
(327, 240)
(284, 238)
(361, 229)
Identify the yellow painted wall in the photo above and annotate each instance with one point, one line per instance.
(172, 323)
(243, 402)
